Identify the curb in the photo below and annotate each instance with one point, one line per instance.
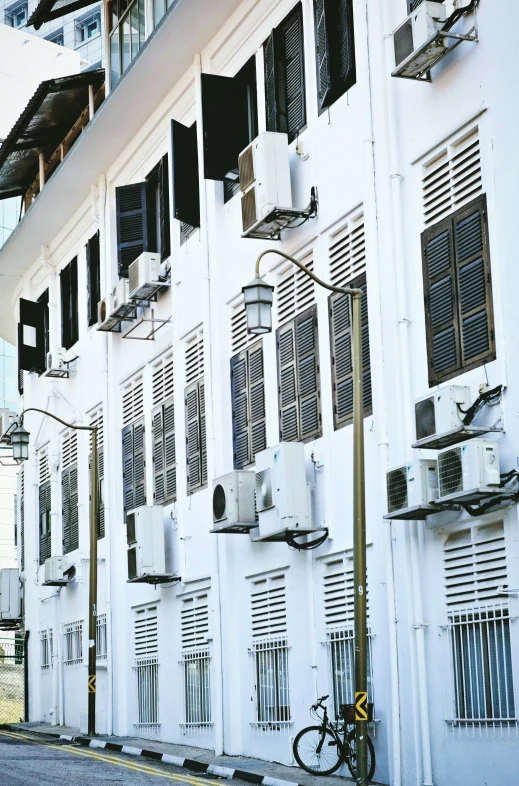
(165, 758)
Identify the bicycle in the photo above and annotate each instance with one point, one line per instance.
(320, 750)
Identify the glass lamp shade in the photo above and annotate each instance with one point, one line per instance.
(258, 298)
(20, 444)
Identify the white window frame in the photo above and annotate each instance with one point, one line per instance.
(46, 648)
(196, 672)
(101, 641)
(73, 643)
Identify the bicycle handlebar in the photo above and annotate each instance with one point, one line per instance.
(319, 702)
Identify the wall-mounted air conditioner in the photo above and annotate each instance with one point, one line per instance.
(282, 493)
(10, 594)
(440, 414)
(55, 365)
(120, 304)
(416, 41)
(150, 548)
(470, 471)
(411, 489)
(234, 508)
(264, 172)
(54, 572)
(144, 276)
(7, 418)
(104, 320)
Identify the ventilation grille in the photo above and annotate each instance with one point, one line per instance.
(96, 419)
(43, 467)
(162, 379)
(68, 449)
(397, 489)
(475, 565)
(338, 592)
(248, 208)
(268, 605)
(347, 252)
(295, 290)
(246, 168)
(452, 179)
(146, 632)
(239, 336)
(133, 400)
(195, 621)
(194, 358)
(450, 472)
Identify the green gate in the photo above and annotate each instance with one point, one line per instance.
(12, 680)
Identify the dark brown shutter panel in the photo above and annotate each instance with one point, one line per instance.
(93, 278)
(31, 354)
(307, 353)
(184, 174)
(128, 484)
(258, 434)
(170, 452)
(74, 513)
(240, 410)
(271, 82)
(192, 438)
(100, 496)
(203, 433)
(294, 73)
(218, 106)
(139, 464)
(45, 521)
(65, 510)
(158, 455)
(165, 231)
(132, 228)
(324, 83)
(347, 72)
(287, 376)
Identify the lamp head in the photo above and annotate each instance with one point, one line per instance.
(258, 298)
(20, 442)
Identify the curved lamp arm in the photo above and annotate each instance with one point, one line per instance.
(343, 290)
(69, 425)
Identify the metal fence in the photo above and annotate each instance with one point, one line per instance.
(197, 690)
(12, 680)
(147, 675)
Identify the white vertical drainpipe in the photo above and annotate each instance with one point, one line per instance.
(56, 546)
(372, 242)
(209, 377)
(55, 662)
(423, 738)
(91, 109)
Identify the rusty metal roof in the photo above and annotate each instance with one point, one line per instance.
(53, 9)
(48, 117)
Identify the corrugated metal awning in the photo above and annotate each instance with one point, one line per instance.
(54, 9)
(51, 113)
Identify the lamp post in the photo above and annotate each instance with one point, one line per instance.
(258, 304)
(20, 442)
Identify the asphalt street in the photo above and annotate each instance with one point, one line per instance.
(27, 761)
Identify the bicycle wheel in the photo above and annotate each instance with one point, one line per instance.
(316, 751)
(351, 755)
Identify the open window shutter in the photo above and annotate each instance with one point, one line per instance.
(128, 486)
(342, 372)
(440, 301)
(203, 434)
(74, 317)
(100, 479)
(218, 108)
(240, 410)
(287, 374)
(184, 169)
(64, 286)
(93, 278)
(65, 510)
(366, 359)
(347, 73)
(165, 234)
(258, 435)
(74, 513)
(139, 472)
(322, 54)
(192, 438)
(158, 456)
(294, 83)
(474, 286)
(170, 453)
(44, 517)
(132, 230)
(31, 336)
(22, 520)
(308, 373)
(271, 82)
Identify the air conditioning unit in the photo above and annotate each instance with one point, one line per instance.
(7, 418)
(264, 172)
(150, 554)
(470, 471)
(144, 276)
(121, 306)
(10, 594)
(55, 364)
(104, 320)
(411, 489)
(439, 413)
(416, 41)
(54, 572)
(282, 493)
(234, 507)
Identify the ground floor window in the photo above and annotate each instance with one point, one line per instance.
(272, 683)
(197, 687)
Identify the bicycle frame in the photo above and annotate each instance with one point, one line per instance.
(335, 730)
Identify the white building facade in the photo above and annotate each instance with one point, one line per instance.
(415, 185)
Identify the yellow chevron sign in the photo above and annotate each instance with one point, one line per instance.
(361, 706)
(92, 684)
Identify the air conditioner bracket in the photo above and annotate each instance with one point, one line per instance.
(156, 325)
(469, 496)
(10, 625)
(270, 226)
(283, 536)
(167, 579)
(416, 513)
(423, 75)
(454, 437)
(56, 583)
(234, 529)
(64, 372)
(153, 294)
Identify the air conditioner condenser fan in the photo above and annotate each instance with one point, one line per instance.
(397, 489)
(219, 503)
(425, 418)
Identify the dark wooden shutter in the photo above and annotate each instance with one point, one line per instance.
(165, 231)
(194, 479)
(294, 73)
(132, 229)
(324, 82)
(22, 520)
(218, 108)
(184, 174)
(69, 305)
(74, 513)
(308, 389)
(271, 82)
(69, 509)
(93, 278)
(44, 500)
(257, 418)
(100, 491)
(240, 410)
(203, 434)
(347, 72)
(139, 468)
(31, 353)
(157, 419)
(128, 485)
(287, 376)
(170, 452)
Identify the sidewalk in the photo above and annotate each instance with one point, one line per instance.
(200, 760)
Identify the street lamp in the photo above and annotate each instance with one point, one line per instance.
(258, 303)
(20, 442)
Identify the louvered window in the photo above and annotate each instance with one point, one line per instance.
(335, 49)
(341, 337)
(93, 259)
(163, 424)
(132, 225)
(285, 76)
(69, 305)
(196, 662)
(268, 606)
(295, 290)
(147, 671)
(96, 419)
(453, 178)
(44, 505)
(248, 405)
(73, 642)
(298, 378)
(134, 465)
(196, 440)
(458, 293)
(22, 519)
(157, 209)
(31, 338)
(240, 339)
(69, 492)
(347, 252)
(185, 185)
(133, 400)
(338, 603)
(195, 357)
(475, 565)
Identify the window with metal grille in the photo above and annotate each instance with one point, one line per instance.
(101, 642)
(452, 178)
(73, 642)
(44, 505)
(96, 419)
(46, 648)
(248, 405)
(341, 338)
(459, 317)
(283, 54)
(69, 491)
(163, 425)
(147, 671)
(335, 50)
(69, 306)
(347, 251)
(298, 378)
(93, 260)
(196, 662)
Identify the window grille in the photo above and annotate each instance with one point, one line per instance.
(133, 400)
(73, 642)
(68, 449)
(272, 685)
(46, 648)
(347, 252)
(162, 378)
(197, 689)
(452, 178)
(295, 290)
(101, 643)
(195, 357)
(147, 671)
